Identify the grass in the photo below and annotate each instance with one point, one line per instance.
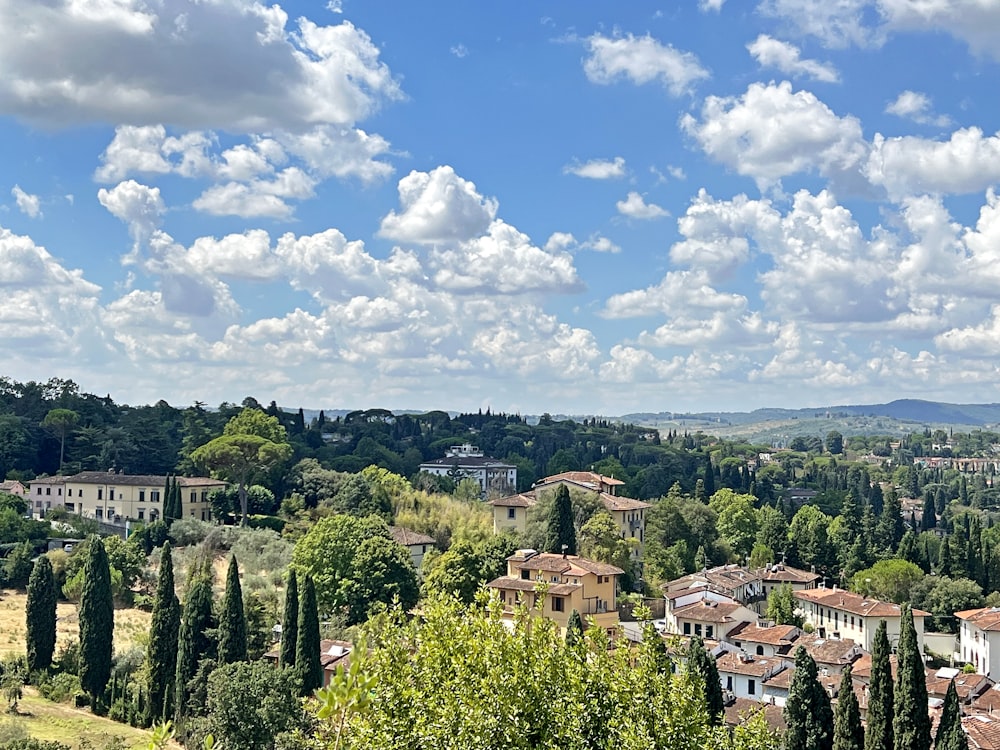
(131, 625)
(75, 727)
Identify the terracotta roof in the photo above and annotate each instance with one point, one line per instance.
(983, 732)
(406, 537)
(783, 681)
(724, 577)
(48, 480)
(776, 635)
(848, 601)
(553, 563)
(582, 477)
(619, 504)
(741, 709)
(835, 651)
(966, 685)
(988, 701)
(331, 653)
(521, 500)
(705, 610)
(509, 583)
(611, 503)
(785, 574)
(984, 618)
(755, 666)
(129, 480)
(862, 668)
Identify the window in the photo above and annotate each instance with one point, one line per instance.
(48, 490)
(751, 687)
(142, 497)
(558, 604)
(729, 682)
(526, 575)
(697, 628)
(687, 628)
(194, 497)
(154, 496)
(760, 650)
(99, 513)
(79, 493)
(709, 631)
(511, 513)
(111, 512)
(142, 514)
(69, 507)
(39, 491)
(69, 492)
(59, 491)
(100, 493)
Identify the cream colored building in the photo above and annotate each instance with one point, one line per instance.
(836, 613)
(115, 498)
(417, 544)
(558, 584)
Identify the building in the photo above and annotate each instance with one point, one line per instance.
(732, 581)
(13, 487)
(772, 641)
(510, 513)
(553, 585)
(780, 574)
(332, 654)
(707, 616)
(979, 639)
(468, 462)
(836, 613)
(743, 675)
(115, 498)
(418, 544)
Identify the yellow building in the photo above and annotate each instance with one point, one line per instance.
(511, 513)
(566, 582)
(114, 498)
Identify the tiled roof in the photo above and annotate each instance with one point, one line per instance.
(582, 477)
(467, 462)
(129, 480)
(742, 709)
(983, 732)
(48, 480)
(776, 635)
(984, 618)
(522, 500)
(862, 668)
(406, 537)
(619, 504)
(705, 610)
(848, 601)
(508, 583)
(723, 577)
(988, 701)
(783, 681)
(966, 685)
(553, 563)
(786, 574)
(754, 666)
(831, 650)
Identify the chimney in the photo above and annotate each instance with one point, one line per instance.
(564, 548)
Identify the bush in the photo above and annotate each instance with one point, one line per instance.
(60, 688)
(267, 522)
(186, 532)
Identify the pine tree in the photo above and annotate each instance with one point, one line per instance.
(807, 710)
(97, 622)
(161, 653)
(911, 725)
(950, 735)
(561, 534)
(307, 642)
(40, 615)
(574, 628)
(289, 623)
(878, 735)
(848, 733)
(232, 619)
(702, 663)
(193, 642)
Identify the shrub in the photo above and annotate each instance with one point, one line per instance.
(60, 688)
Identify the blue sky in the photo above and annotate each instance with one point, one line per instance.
(568, 207)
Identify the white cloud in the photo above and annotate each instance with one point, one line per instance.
(600, 244)
(460, 51)
(635, 207)
(976, 22)
(153, 58)
(837, 23)
(965, 163)
(139, 206)
(678, 293)
(28, 204)
(916, 106)
(773, 53)
(771, 132)
(641, 60)
(598, 169)
(438, 206)
(710, 5)
(257, 197)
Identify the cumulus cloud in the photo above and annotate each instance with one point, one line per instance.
(975, 22)
(153, 59)
(139, 206)
(641, 60)
(258, 197)
(916, 106)
(771, 132)
(635, 207)
(787, 58)
(837, 23)
(28, 204)
(598, 169)
(710, 5)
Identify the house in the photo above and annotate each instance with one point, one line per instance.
(115, 498)
(707, 617)
(739, 710)
(743, 675)
(510, 513)
(332, 654)
(13, 487)
(770, 641)
(979, 639)
(982, 731)
(468, 462)
(968, 686)
(832, 655)
(553, 585)
(836, 613)
(776, 688)
(780, 574)
(418, 544)
(733, 581)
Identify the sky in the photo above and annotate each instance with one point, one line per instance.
(564, 207)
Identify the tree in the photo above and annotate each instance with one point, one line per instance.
(307, 640)
(848, 734)
(561, 533)
(289, 622)
(737, 521)
(232, 619)
(382, 573)
(911, 724)
(574, 628)
(61, 422)
(40, 615)
(252, 442)
(781, 606)
(458, 572)
(950, 735)
(880, 694)
(601, 540)
(97, 622)
(702, 663)
(807, 710)
(887, 579)
(194, 642)
(251, 703)
(834, 442)
(161, 652)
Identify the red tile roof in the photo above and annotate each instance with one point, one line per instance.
(848, 601)
(984, 618)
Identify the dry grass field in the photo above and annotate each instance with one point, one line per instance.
(131, 625)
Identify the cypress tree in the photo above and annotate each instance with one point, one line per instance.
(168, 509)
(97, 622)
(878, 735)
(561, 533)
(307, 641)
(950, 735)
(709, 477)
(232, 620)
(702, 663)
(574, 628)
(807, 710)
(911, 725)
(161, 653)
(289, 623)
(40, 615)
(193, 642)
(848, 733)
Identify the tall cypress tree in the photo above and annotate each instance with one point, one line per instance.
(193, 642)
(561, 533)
(168, 508)
(911, 725)
(807, 710)
(709, 477)
(161, 653)
(878, 735)
(848, 733)
(97, 622)
(574, 628)
(950, 735)
(702, 663)
(289, 623)
(232, 620)
(307, 641)
(40, 615)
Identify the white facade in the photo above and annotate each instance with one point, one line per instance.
(836, 613)
(979, 640)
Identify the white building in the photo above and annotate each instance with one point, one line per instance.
(468, 462)
(836, 613)
(979, 639)
(743, 675)
(416, 543)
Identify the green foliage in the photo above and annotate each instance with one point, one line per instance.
(807, 710)
(194, 642)
(17, 565)
(950, 735)
(601, 540)
(561, 533)
(879, 735)
(97, 622)
(232, 634)
(911, 724)
(848, 734)
(251, 703)
(40, 616)
(889, 580)
(702, 663)
(574, 629)
(737, 520)
(942, 597)
(456, 573)
(289, 621)
(382, 574)
(161, 652)
(307, 663)
(781, 606)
